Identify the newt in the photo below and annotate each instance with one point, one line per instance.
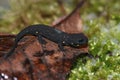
(44, 31)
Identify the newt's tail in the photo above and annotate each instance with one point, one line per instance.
(17, 39)
(27, 31)
(10, 53)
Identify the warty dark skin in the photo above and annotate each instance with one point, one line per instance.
(59, 37)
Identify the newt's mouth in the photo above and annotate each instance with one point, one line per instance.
(79, 45)
(83, 46)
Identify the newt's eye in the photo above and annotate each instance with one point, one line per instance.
(80, 40)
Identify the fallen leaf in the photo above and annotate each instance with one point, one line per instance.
(29, 62)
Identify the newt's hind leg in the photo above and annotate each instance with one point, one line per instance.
(43, 42)
(63, 57)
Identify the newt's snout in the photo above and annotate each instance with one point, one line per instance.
(77, 40)
(83, 41)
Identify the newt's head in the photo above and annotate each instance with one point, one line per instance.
(77, 40)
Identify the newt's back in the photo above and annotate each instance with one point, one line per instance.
(39, 31)
(43, 31)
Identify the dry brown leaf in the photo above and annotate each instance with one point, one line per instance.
(30, 63)
(72, 22)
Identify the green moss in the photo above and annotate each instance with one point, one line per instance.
(104, 40)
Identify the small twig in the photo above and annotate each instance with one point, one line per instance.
(60, 3)
(80, 4)
(7, 35)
